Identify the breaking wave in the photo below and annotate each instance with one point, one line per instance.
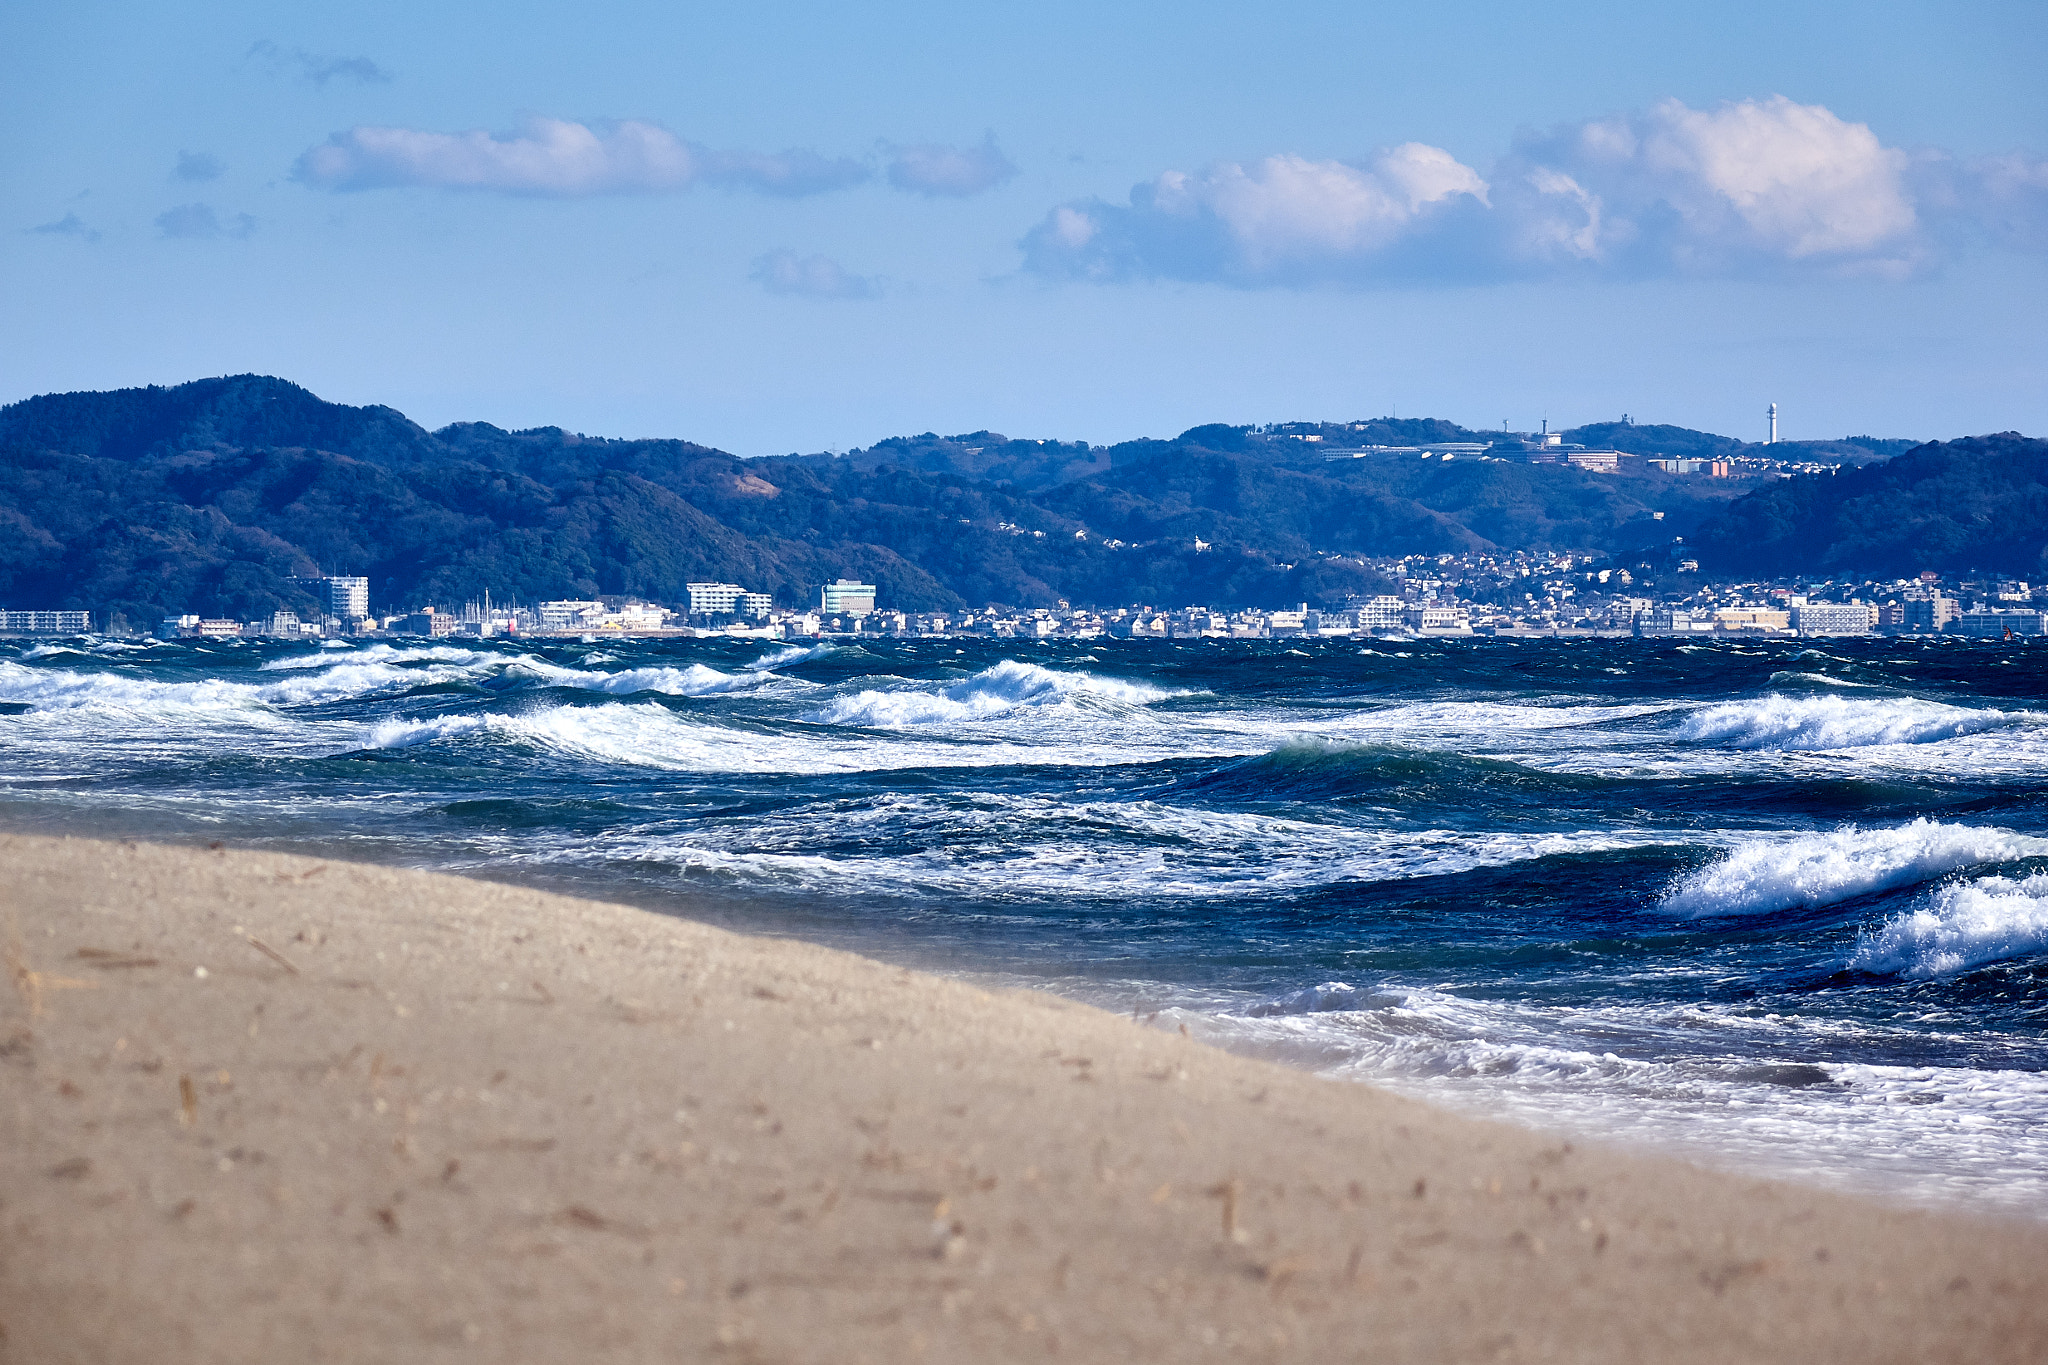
(694, 680)
(798, 654)
(1331, 997)
(1987, 920)
(1823, 869)
(1828, 722)
(64, 689)
(377, 654)
(991, 692)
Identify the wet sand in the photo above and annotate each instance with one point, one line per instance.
(264, 1108)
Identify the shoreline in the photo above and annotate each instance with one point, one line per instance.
(260, 1106)
(1864, 1180)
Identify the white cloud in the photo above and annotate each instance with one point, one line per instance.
(1751, 187)
(816, 277)
(1749, 183)
(955, 172)
(561, 158)
(546, 156)
(200, 221)
(1282, 219)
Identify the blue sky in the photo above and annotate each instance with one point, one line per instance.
(775, 227)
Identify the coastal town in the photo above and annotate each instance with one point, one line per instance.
(1519, 595)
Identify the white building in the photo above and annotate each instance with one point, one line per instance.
(714, 599)
(847, 597)
(1440, 620)
(1383, 613)
(45, 622)
(635, 616)
(348, 598)
(727, 599)
(1833, 618)
(570, 615)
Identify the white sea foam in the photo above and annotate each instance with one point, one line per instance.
(346, 681)
(1725, 1085)
(991, 692)
(1765, 874)
(1005, 848)
(404, 734)
(377, 654)
(1987, 920)
(66, 689)
(692, 680)
(1779, 722)
(795, 654)
(631, 734)
(1811, 679)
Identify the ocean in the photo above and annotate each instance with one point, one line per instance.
(1780, 906)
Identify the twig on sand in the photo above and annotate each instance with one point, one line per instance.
(273, 954)
(1229, 1192)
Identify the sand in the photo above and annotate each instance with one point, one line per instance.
(263, 1108)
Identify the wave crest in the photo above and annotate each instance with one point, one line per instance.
(1824, 869)
(991, 692)
(1986, 920)
(1829, 722)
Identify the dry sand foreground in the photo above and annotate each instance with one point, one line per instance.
(264, 1108)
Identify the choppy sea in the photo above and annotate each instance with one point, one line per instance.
(1781, 907)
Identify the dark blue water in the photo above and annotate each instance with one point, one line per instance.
(1782, 906)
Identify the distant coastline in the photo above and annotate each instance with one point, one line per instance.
(232, 500)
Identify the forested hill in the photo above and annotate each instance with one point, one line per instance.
(1979, 503)
(211, 496)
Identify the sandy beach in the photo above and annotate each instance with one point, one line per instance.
(256, 1107)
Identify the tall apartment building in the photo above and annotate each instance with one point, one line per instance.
(846, 597)
(342, 596)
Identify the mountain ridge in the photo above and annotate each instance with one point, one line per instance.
(212, 496)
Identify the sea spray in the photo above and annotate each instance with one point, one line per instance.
(1829, 722)
(1765, 874)
(1987, 920)
(1005, 686)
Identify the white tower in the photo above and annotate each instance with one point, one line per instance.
(1774, 425)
